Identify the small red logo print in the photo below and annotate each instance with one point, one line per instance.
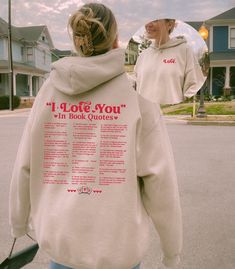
(169, 61)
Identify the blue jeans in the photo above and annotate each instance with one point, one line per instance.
(54, 265)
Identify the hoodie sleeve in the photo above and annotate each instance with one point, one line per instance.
(19, 196)
(194, 77)
(155, 166)
(19, 204)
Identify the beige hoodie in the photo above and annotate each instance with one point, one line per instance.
(93, 165)
(168, 74)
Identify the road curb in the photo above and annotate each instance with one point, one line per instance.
(15, 111)
(212, 123)
(184, 120)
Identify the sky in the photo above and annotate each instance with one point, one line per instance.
(131, 15)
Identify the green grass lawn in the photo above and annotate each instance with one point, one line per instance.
(212, 108)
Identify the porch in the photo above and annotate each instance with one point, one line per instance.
(26, 80)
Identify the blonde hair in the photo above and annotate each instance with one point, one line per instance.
(94, 29)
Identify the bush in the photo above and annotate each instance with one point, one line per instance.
(4, 101)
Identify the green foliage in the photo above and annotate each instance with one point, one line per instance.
(145, 43)
(220, 109)
(204, 62)
(212, 108)
(4, 102)
(181, 111)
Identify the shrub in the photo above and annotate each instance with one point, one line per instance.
(4, 101)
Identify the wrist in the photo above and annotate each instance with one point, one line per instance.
(171, 262)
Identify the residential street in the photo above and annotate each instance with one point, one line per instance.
(205, 161)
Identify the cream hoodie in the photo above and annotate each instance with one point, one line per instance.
(168, 74)
(93, 165)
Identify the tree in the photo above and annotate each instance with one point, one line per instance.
(145, 43)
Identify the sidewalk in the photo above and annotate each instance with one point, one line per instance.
(15, 112)
(219, 120)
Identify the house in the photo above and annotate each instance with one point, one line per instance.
(132, 52)
(58, 54)
(195, 24)
(31, 52)
(222, 53)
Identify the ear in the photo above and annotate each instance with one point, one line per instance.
(115, 43)
(171, 25)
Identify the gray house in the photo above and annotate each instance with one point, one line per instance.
(31, 49)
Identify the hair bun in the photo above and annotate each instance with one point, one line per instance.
(94, 29)
(82, 33)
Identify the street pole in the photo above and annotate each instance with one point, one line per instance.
(201, 112)
(10, 62)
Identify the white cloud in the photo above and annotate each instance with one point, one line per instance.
(61, 5)
(45, 9)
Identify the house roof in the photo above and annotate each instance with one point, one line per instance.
(221, 56)
(195, 24)
(3, 27)
(228, 15)
(31, 33)
(26, 34)
(134, 41)
(62, 53)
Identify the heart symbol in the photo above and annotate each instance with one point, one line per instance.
(55, 116)
(116, 117)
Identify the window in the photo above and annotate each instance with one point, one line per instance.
(22, 54)
(29, 54)
(232, 38)
(44, 57)
(126, 57)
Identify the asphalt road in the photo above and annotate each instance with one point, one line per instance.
(205, 162)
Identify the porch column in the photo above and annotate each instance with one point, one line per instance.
(210, 81)
(227, 78)
(30, 82)
(14, 83)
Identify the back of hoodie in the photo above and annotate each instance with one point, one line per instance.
(87, 140)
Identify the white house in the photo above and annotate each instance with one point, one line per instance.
(132, 52)
(31, 50)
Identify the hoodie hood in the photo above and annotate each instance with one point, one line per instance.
(173, 42)
(75, 75)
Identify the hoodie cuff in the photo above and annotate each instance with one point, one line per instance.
(16, 233)
(171, 262)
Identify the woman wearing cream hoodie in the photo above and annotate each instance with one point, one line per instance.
(95, 163)
(167, 72)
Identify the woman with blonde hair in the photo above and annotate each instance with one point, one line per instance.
(167, 72)
(95, 161)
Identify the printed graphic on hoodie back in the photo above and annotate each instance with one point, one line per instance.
(85, 146)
